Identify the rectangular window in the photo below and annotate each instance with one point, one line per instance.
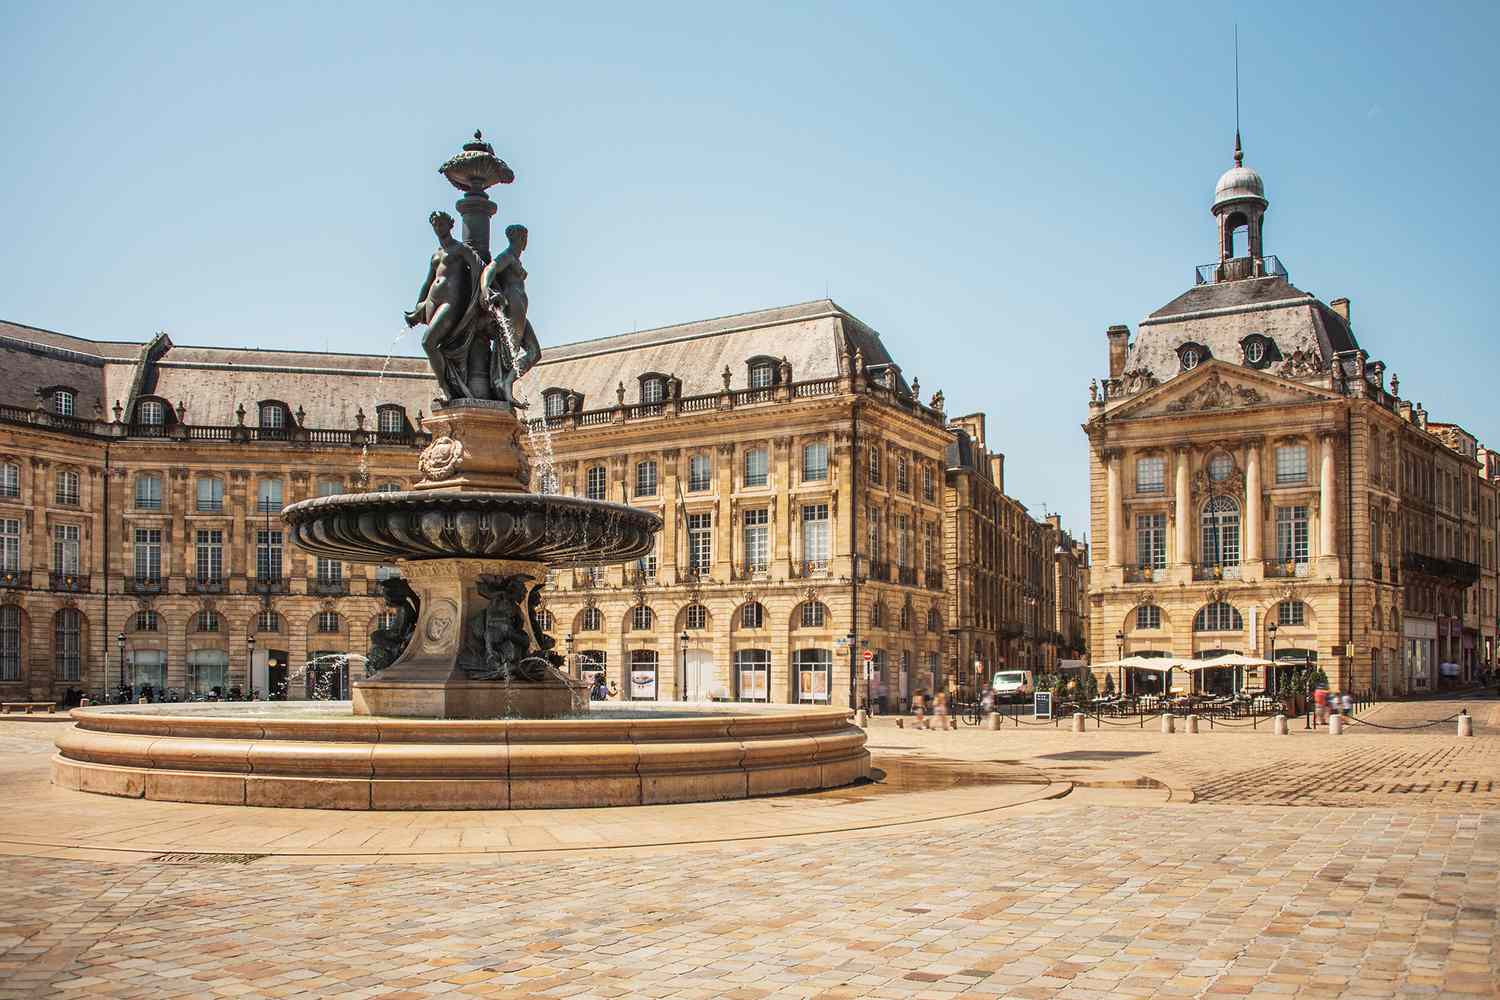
(1148, 616)
(814, 462)
(392, 420)
(1151, 541)
(762, 375)
(872, 535)
(594, 483)
(67, 640)
(268, 496)
(1291, 613)
(643, 675)
(752, 669)
(1291, 534)
(872, 466)
(757, 467)
(210, 562)
(1291, 464)
(148, 553)
(65, 549)
(698, 473)
(10, 643)
(651, 390)
(10, 545)
(903, 541)
(10, 480)
(645, 567)
(903, 474)
(645, 479)
(553, 404)
(330, 571)
(148, 491)
(329, 487)
(62, 402)
(757, 540)
(210, 495)
(1151, 474)
(814, 669)
(68, 488)
(928, 492)
(700, 542)
(268, 555)
(815, 536)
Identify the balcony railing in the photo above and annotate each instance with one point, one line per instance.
(72, 583)
(1216, 571)
(815, 567)
(143, 585)
(934, 579)
(328, 588)
(1143, 574)
(270, 585)
(1237, 268)
(1288, 569)
(907, 575)
(205, 585)
(1458, 570)
(880, 571)
(15, 579)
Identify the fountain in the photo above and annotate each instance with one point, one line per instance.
(464, 704)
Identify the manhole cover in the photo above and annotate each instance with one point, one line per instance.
(184, 858)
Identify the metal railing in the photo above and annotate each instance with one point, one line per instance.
(144, 585)
(16, 579)
(1287, 570)
(1216, 571)
(1237, 268)
(72, 583)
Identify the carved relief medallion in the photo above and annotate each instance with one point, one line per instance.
(441, 458)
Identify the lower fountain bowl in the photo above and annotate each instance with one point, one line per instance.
(315, 755)
(433, 524)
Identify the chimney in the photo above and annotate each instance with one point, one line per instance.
(1119, 342)
(1421, 413)
(1341, 306)
(997, 470)
(1404, 408)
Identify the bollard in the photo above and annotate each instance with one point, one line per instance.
(84, 702)
(1077, 722)
(861, 718)
(992, 722)
(1465, 723)
(1192, 723)
(953, 723)
(1166, 724)
(1335, 725)
(141, 700)
(1278, 726)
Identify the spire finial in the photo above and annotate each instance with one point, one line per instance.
(1239, 154)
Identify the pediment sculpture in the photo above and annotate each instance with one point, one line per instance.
(1216, 394)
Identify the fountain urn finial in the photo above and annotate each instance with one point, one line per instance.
(474, 170)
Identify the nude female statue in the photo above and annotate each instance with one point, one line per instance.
(504, 285)
(446, 304)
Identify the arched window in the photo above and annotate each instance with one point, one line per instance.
(595, 483)
(762, 373)
(151, 413)
(268, 621)
(67, 643)
(1148, 616)
(753, 615)
(10, 479)
(206, 620)
(328, 621)
(145, 621)
(10, 643)
(1221, 532)
(63, 402)
(814, 614)
(272, 416)
(695, 616)
(1293, 613)
(547, 621)
(554, 403)
(641, 618)
(1218, 617)
(592, 620)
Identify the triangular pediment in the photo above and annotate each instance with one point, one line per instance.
(1214, 386)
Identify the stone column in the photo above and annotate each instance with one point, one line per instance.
(1113, 457)
(1327, 498)
(1254, 550)
(1182, 517)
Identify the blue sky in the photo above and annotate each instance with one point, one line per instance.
(988, 186)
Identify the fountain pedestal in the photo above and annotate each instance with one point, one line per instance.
(476, 445)
(428, 680)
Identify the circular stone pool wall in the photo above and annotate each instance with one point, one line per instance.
(316, 756)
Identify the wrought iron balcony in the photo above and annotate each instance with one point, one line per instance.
(144, 585)
(1287, 569)
(1216, 571)
(907, 575)
(15, 579)
(1459, 571)
(270, 585)
(1237, 268)
(205, 585)
(880, 571)
(328, 588)
(934, 579)
(1143, 574)
(815, 567)
(72, 583)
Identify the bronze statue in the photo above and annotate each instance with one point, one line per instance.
(504, 291)
(497, 643)
(448, 304)
(387, 643)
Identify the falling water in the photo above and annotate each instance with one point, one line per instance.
(538, 434)
(362, 477)
(323, 680)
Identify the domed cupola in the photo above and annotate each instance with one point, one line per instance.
(1240, 206)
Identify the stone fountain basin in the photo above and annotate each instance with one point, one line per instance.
(433, 524)
(315, 755)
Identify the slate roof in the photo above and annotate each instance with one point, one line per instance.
(1219, 315)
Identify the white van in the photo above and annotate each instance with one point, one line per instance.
(1013, 685)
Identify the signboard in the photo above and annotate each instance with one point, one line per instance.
(1042, 704)
(868, 655)
(812, 685)
(643, 685)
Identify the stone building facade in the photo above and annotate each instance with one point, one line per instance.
(140, 488)
(799, 479)
(1070, 574)
(1257, 487)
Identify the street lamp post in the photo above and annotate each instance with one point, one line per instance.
(250, 662)
(120, 642)
(1120, 655)
(1271, 670)
(686, 694)
(568, 646)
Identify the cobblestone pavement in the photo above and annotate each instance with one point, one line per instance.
(1263, 885)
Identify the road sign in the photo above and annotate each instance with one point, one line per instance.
(868, 655)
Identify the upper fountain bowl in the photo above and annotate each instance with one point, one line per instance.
(430, 524)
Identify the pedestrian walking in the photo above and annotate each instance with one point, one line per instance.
(1346, 704)
(940, 709)
(919, 711)
(1320, 706)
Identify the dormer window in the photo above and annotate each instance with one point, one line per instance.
(764, 372)
(654, 388)
(1191, 355)
(152, 413)
(272, 416)
(1259, 349)
(553, 404)
(62, 402)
